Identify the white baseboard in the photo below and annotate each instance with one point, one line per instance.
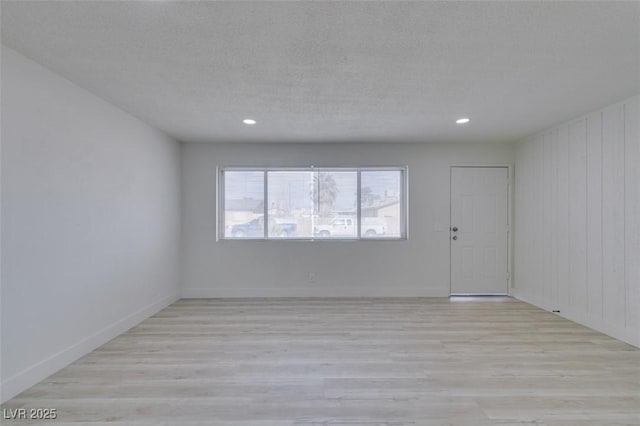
(22, 381)
(626, 335)
(313, 291)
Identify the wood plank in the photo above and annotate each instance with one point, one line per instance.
(538, 224)
(522, 220)
(563, 216)
(578, 217)
(632, 212)
(613, 232)
(348, 361)
(548, 210)
(533, 223)
(594, 216)
(553, 248)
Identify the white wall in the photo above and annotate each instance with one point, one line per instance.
(417, 267)
(90, 222)
(577, 237)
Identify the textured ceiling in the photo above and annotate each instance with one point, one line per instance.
(339, 72)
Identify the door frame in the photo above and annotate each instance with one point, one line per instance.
(510, 218)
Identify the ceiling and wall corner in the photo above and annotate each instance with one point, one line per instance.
(339, 72)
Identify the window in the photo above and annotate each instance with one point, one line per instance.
(308, 203)
(380, 202)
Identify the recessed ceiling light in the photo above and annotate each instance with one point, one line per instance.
(249, 121)
(462, 120)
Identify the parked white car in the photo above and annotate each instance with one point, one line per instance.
(346, 227)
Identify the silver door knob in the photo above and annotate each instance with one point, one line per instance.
(455, 237)
(454, 229)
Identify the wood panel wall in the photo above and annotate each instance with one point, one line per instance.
(577, 220)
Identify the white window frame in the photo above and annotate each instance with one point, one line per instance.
(404, 201)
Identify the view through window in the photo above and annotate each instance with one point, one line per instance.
(312, 203)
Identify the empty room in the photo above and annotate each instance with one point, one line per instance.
(320, 213)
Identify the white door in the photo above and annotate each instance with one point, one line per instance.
(479, 232)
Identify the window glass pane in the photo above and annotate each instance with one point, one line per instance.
(243, 204)
(291, 208)
(335, 197)
(308, 203)
(381, 198)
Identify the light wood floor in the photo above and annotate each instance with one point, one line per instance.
(349, 362)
